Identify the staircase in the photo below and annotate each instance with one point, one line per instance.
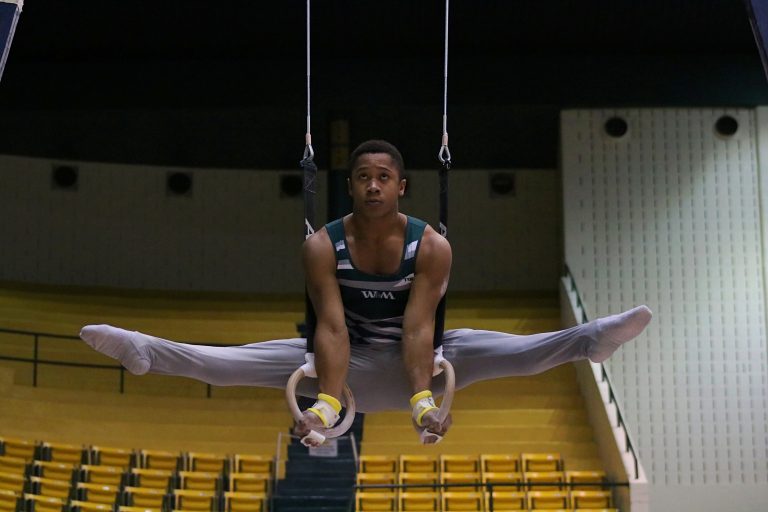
(317, 483)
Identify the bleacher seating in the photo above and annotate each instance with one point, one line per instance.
(430, 483)
(44, 485)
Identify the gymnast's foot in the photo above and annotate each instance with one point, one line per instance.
(615, 330)
(118, 344)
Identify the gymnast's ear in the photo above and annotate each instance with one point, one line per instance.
(403, 183)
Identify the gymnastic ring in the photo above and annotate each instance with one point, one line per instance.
(450, 389)
(293, 406)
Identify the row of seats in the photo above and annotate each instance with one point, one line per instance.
(498, 501)
(97, 478)
(529, 481)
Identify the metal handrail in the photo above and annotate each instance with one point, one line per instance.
(605, 377)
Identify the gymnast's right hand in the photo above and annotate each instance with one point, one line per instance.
(309, 421)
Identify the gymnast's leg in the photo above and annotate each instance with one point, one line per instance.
(265, 364)
(482, 355)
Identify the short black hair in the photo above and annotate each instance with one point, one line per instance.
(378, 146)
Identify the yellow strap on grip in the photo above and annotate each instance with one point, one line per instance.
(422, 402)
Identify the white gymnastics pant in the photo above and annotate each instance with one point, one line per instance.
(376, 376)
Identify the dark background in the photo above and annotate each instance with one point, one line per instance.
(222, 84)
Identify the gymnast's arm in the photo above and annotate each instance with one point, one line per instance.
(430, 281)
(331, 335)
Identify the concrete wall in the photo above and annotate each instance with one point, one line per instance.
(669, 215)
(236, 232)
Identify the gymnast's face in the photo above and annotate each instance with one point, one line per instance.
(375, 184)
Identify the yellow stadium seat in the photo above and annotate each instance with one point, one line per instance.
(378, 464)
(459, 464)
(465, 481)
(544, 480)
(244, 501)
(547, 500)
(53, 470)
(14, 465)
(377, 479)
(193, 500)
(500, 463)
(541, 462)
(418, 464)
(504, 481)
(12, 482)
(159, 459)
(64, 453)
(49, 487)
(504, 501)
(104, 475)
(367, 501)
(252, 464)
(145, 497)
(43, 503)
(455, 501)
(419, 501)
(124, 508)
(106, 456)
(87, 506)
(425, 481)
(152, 478)
(591, 499)
(199, 481)
(577, 479)
(97, 493)
(208, 462)
(8, 500)
(250, 482)
(596, 510)
(20, 448)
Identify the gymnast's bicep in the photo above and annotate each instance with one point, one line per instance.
(319, 264)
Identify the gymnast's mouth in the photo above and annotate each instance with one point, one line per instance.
(373, 202)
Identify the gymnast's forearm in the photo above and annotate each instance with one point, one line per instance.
(418, 356)
(332, 354)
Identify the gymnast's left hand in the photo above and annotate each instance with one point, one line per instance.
(431, 424)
